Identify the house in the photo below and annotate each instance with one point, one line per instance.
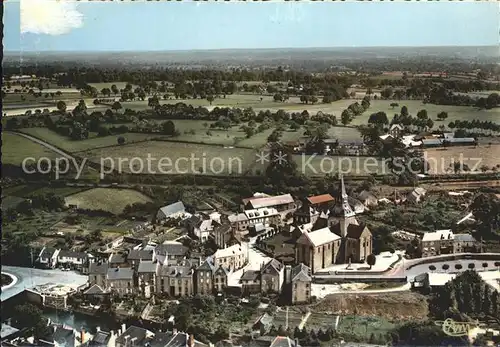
(97, 273)
(321, 201)
(232, 258)
(436, 243)
(318, 249)
(241, 221)
(120, 280)
(175, 280)
(367, 198)
(71, 259)
(298, 283)
(250, 282)
(135, 256)
(222, 235)
(396, 130)
(97, 293)
(263, 324)
(103, 339)
(172, 211)
(47, 257)
(133, 336)
(204, 275)
(284, 341)
(305, 214)
(416, 195)
(116, 260)
(465, 243)
(146, 277)
(430, 281)
(220, 279)
(170, 252)
(280, 203)
(272, 276)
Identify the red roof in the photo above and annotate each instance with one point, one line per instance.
(319, 199)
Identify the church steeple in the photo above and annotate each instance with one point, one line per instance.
(346, 207)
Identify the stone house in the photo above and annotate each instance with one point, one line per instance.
(146, 277)
(436, 243)
(116, 260)
(170, 252)
(250, 282)
(299, 284)
(220, 279)
(272, 275)
(120, 280)
(135, 256)
(232, 258)
(175, 280)
(97, 273)
(204, 277)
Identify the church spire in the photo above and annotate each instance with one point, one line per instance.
(346, 207)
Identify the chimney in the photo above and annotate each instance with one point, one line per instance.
(288, 273)
(191, 340)
(124, 328)
(174, 331)
(98, 329)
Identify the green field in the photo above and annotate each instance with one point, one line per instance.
(72, 146)
(175, 158)
(24, 191)
(16, 148)
(107, 199)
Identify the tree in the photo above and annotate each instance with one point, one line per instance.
(61, 106)
(371, 259)
(394, 104)
(404, 111)
(442, 115)
(346, 117)
(114, 89)
(120, 140)
(486, 210)
(168, 128)
(116, 106)
(210, 98)
(31, 317)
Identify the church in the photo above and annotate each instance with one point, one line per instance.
(327, 236)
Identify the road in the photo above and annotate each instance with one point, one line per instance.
(29, 278)
(44, 144)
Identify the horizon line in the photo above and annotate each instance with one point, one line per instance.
(247, 49)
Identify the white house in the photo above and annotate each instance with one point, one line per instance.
(72, 259)
(232, 258)
(172, 211)
(48, 257)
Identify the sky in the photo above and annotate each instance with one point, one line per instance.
(62, 25)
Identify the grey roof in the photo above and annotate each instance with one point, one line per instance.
(160, 339)
(72, 254)
(283, 341)
(47, 252)
(95, 290)
(176, 207)
(265, 319)
(223, 270)
(98, 269)
(250, 275)
(140, 254)
(101, 338)
(117, 258)
(133, 332)
(365, 195)
(273, 264)
(181, 340)
(120, 274)
(147, 266)
(464, 238)
(207, 265)
(301, 273)
(176, 271)
(7, 330)
(175, 249)
(63, 336)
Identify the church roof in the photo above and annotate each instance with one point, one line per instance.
(354, 231)
(319, 237)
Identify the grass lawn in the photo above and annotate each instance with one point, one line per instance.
(440, 159)
(72, 146)
(107, 199)
(364, 327)
(175, 158)
(16, 148)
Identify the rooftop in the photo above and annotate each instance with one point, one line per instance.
(319, 237)
(120, 274)
(229, 251)
(261, 212)
(176, 207)
(271, 201)
(319, 199)
(446, 234)
(147, 266)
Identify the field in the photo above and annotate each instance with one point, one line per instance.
(71, 146)
(106, 199)
(321, 165)
(24, 191)
(16, 148)
(334, 132)
(440, 159)
(175, 158)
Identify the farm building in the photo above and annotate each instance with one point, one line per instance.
(280, 203)
(172, 211)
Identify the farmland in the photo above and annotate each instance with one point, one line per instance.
(174, 157)
(474, 157)
(77, 146)
(321, 165)
(106, 199)
(16, 148)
